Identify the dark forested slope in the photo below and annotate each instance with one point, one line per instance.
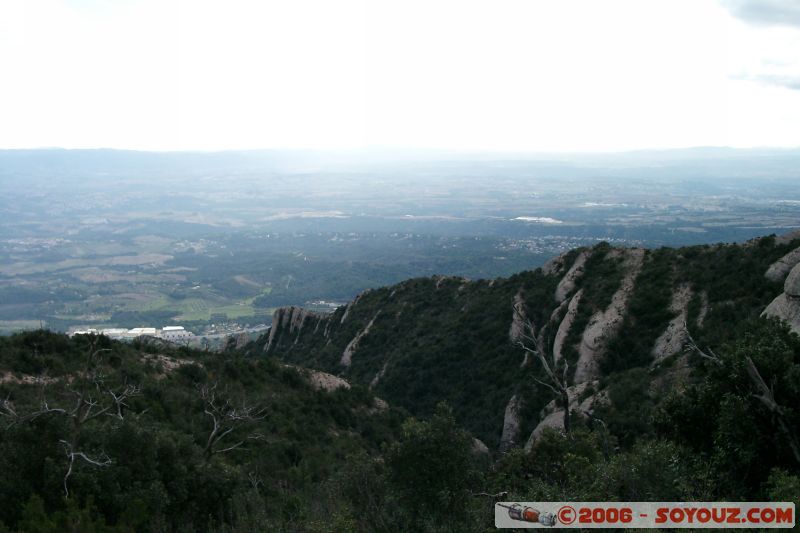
(617, 320)
(149, 437)
(608, 374)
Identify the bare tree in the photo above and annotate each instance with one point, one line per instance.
(72, 455)
(535, 345)
(91, 404)
(766, 393)
(606, 448)
(767, 398)
(93, 398)
(8, 410)
(691, 346)
(226, 419)
(255, 480)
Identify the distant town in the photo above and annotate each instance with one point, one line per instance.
(168, 333)
(175, 334)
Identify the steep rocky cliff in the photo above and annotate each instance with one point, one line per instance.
(606, 317)
(786, 306)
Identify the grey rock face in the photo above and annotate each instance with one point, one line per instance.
(673, 338)
(778, 270)
(350, 349)
(603, 325)
(288, 320)
(792, 284)
(567, 283)
(552, 417)
(787, 305)
(566, 324)
(786, 308)
(554, 266)
(511, 424)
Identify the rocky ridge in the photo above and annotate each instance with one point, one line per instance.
(429, 339)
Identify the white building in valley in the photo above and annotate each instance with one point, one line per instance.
(114, 333)
(175, 334)
(139, 332)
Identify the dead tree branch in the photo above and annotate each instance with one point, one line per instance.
(7, 409)
(72, 455)
(594, 418)
(766, 394)
(767, 398)
(226, 418)
(255, 480)
(534, 344)
(691, 346)
(91, 398)
(498, 496)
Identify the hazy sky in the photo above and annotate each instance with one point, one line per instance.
(540, 75)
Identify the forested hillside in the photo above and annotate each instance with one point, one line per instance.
(679, 385)
(617, 319)
(675, 386)
(147, 437)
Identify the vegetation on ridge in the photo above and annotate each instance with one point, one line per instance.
(448, 338)
(286, 456)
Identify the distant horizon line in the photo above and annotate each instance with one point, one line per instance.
(410, 149)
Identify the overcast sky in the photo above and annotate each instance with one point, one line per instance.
(538, 75)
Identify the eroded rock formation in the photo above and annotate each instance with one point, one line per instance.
(778, 270)
(511, 424)
(604, 324)
(288, 321)
(565, 325)
(567, 283)
(674, 337)
(553, 417)
(787, 305)
(347, 355)
(327, 382)
(517, 328)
